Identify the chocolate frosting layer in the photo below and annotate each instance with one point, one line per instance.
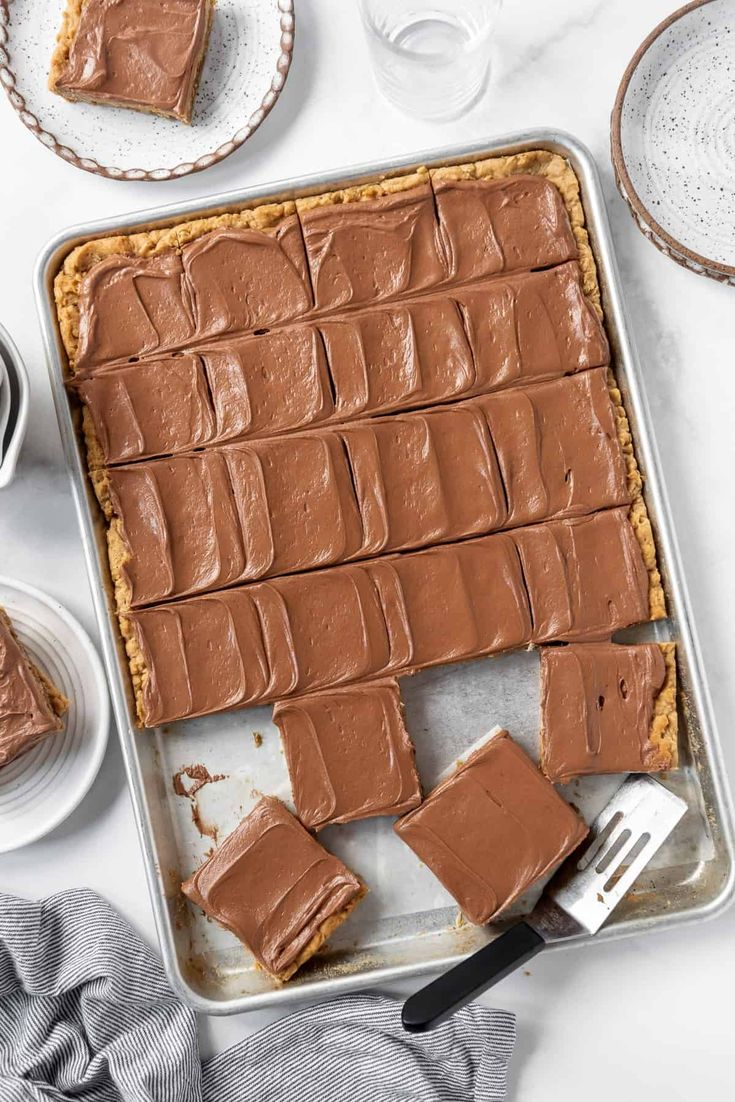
(273, 886)
(348, 754)
(564, 579)
(132, 306)
(239, 279)
(26, 714)
(597, 705)
(520, 329)
(490, 226)
(362, 252)
(141, 53)
(492, 829)
(244, 511)
(151, 409)
(231, 279)
(557, 448)
(234, 280)
(210, 519)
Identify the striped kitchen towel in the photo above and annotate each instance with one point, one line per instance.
(86, 1015)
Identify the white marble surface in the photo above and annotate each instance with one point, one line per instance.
(648, 1017)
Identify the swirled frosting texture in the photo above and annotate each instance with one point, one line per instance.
(569, 579)
(453, 305)
(492, 829)
(328, 257)
(519, 329)
(26, 712)
(137, 53)
(243, 511)
(348, 754)
(516, 223)
(374, 249)
(597, 705)
(274, 886)
(232, 279)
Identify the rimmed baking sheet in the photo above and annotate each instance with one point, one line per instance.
(407, 925)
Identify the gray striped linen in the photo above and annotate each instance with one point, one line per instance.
(86, 1015)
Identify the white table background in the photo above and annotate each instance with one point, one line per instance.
(650, 1017)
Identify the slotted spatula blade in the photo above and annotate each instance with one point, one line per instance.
(626, 834)
(624, 837)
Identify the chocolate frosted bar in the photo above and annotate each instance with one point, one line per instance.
(368, 244)
(348, 753)
(144, 54)
(31, 707)
(565, 579)
(243, 511)
(607, 708)
(522, 328)
(232, 279)
(269, 266)
(492, 829)
(275, 888)
(491, 226)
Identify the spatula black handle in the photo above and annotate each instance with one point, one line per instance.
(460, 985)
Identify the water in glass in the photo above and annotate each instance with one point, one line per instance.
(431, 59)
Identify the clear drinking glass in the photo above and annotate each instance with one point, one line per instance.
(431, 57)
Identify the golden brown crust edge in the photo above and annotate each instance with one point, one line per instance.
(118, 550)
(67, 33)
(638, 513)
(95, 453)
(118, 554)
(664, 732)
(357, 193)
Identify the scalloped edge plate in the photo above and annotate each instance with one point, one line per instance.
(230, 105)
(42, 787)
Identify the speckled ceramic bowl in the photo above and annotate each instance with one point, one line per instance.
(673, 137)
(245, 68)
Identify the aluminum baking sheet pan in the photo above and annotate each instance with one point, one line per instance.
(407, 925)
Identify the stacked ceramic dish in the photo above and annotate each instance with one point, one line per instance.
(13, 406)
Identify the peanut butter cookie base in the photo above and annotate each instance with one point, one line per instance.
(551, 166)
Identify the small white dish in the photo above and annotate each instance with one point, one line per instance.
(4, 405)
(42, 787)
(245, 68)
(673, 137)
(14, 404)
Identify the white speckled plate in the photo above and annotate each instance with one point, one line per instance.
(245, 68)
(673, 137)
(39, 789)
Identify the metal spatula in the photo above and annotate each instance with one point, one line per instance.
(578, 899)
